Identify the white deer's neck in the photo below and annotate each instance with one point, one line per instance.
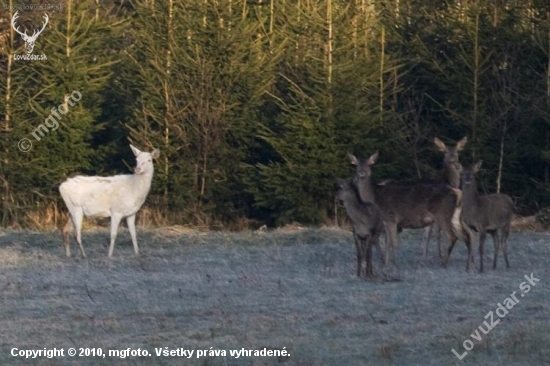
(141, 182)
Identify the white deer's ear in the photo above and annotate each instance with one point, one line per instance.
(440, 145)
(352, 159)
(460, 145)
(155, 154)
(135, 150)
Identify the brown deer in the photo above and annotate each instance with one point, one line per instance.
(490, 213)
(450, 174)
(366, 222)
(412, 206)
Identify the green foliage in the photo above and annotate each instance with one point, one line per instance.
(199, 74)
(255, 104)
(299, 186)
(71, 79)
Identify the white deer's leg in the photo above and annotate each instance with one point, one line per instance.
(65, 234)
(77, 217)
(131, 221)
(115, 221)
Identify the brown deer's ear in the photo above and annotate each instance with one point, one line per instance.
(460, 145)
(439, 144)
(352, 159)
(372, 159)
(477, 166)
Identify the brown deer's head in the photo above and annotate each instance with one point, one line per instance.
(467, 176)
(363, 166)
(451, 152)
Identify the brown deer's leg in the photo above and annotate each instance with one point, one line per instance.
(439, 253)
(482, 236)
(364, 263)
(451, 246)
(428, 232)
(468, 241)
(469, 235)
(387, 245)
(376, 243)
(504, 240)
(392, 243)
(369, 244)
(496, 245)
(451, 238)
(358, 253)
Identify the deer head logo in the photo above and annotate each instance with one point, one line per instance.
(29, 40)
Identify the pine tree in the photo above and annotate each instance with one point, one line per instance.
(54, 104)
(197, 102)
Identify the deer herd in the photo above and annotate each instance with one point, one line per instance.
(450, 205)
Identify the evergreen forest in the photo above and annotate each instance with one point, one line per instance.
(254, 104)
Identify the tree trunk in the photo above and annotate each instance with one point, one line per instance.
(381, 71)
(501, 157)
(68, 34)
(167, 97)
(476, 84)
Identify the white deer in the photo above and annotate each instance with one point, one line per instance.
(29, 40)
(118, 197)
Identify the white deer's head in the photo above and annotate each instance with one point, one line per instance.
(29, 40)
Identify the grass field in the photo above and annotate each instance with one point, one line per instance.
(294, 290)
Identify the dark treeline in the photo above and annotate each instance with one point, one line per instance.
(254, 104)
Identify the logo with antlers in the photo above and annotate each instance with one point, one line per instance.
(29, 40)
